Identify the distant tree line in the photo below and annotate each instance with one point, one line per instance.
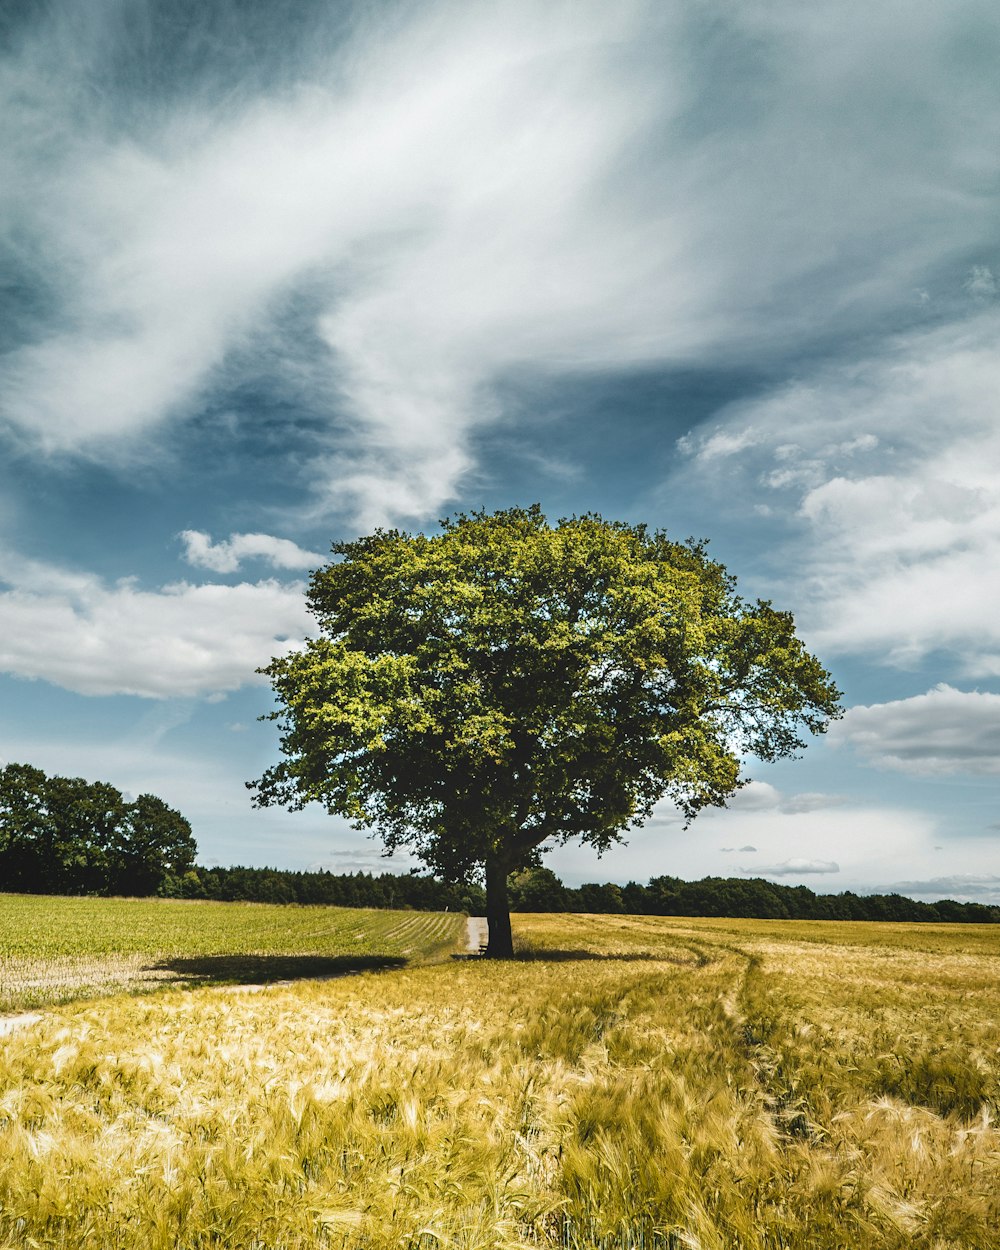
(353, 889)
(539, 889)
(64, 835)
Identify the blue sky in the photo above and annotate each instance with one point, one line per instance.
(274, 273)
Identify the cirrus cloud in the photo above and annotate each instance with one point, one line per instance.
(448, 194)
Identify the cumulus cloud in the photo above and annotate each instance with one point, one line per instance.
(227, 556)
(76, 631)
(445, 194)
(794, 868)
(940, 732)
(755, 796)
(891, 494)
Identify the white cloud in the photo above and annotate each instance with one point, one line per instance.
(76, 631)
(755, 796)
(465, 191)
(933, 734)
(891, 493)
(720, 443)
(762, 796)
(794, 868)
(227, 556)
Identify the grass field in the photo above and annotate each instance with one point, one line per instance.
(55, 950)
(630, 1082)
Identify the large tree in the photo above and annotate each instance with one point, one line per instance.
(502, 684)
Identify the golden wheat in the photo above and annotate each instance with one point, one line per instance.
(700, 1084)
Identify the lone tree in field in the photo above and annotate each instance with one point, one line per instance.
(503, 684)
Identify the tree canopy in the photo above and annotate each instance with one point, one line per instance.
(477, 693)
(65, 835)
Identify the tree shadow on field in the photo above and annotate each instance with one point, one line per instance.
(267, 969)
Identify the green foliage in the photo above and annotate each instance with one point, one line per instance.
(540, 890)
(506, 683)
(64, 835)
(352, 889)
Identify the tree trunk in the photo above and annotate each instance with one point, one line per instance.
(501, 944)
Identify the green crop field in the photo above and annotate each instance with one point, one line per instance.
(628, 1082)
(57, 949)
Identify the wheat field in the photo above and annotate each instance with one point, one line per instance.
(55, 950)
(628, 1082)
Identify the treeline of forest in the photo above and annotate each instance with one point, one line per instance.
(65, 835)
(352, 889)
(539, 889)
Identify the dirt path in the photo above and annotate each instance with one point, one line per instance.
(477, 933)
